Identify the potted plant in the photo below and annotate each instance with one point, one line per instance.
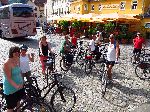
(64, 26)
(91, 31)
(108, 28)
(76, 25)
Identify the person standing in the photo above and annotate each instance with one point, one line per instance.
(66, 49)
(138, 41)
(74, 41)
(93, 47)
(24, 61)
(44, 49)
(13, 80)
(112, 56)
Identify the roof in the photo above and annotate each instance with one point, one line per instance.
(39, 2)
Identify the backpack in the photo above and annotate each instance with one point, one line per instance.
(115, 47)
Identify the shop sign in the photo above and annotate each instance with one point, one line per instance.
(111, 6)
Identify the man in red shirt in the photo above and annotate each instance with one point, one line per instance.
(138, 41)
(74, 41)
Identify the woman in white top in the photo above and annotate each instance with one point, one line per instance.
(24, 62)
(112, 55)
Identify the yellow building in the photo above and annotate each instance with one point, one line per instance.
(136, 8)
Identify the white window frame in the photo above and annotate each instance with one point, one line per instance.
(133, 4)
(124, 5)
(85, 7)
(92, 6)
(100, 9)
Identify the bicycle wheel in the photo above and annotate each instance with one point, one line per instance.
(79, 59)
(36, 106)
(104, 83)
(3, 106)
(88, 67)
(64, 66)
(101, 67)
(48, 74)
(142, 70)
(63, 100)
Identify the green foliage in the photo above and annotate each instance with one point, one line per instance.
(64, 24)
(109, 27)
(76, 24)
(123, 29)
(92, 31)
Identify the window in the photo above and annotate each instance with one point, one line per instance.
(122, 5)
(134, 4)
(147, 25)
(92, 7)
(22, 12)
(78, 8)
(100, 7)
(85, 7)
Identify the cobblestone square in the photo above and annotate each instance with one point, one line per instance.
(127, 93)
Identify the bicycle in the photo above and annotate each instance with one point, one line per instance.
(142, 70)
(63, 99)
(80, 54)
(90, 60)
(64, 64)
(137, 58)
(28, 103)
(50, 65)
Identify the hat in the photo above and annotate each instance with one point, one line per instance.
(23, 47)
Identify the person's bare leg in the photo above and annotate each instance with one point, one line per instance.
(109, 72)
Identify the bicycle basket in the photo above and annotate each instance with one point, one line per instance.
(49, 62)
(88, 57)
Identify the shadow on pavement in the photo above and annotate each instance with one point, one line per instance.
(130, 91)
(29, 41)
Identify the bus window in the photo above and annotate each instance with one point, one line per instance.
(22, 12)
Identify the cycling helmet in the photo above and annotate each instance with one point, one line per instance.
(23, 47)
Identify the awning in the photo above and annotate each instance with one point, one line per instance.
(115, 17)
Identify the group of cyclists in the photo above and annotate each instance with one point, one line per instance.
(17, 64)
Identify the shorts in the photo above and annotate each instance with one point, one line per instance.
(110, 63)
(137, 51)
(12, 99)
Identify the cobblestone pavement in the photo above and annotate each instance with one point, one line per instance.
(127, 93)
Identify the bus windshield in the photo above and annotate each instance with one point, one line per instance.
(22, 12)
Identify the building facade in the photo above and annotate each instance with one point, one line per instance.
(135, 8)
(57, 8)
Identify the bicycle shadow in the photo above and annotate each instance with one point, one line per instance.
(116, 99)
(130, 91)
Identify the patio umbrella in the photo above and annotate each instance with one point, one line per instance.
(70, 17)
(115, 17)
(87, 17)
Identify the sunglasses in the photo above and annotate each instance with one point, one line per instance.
(16, 52)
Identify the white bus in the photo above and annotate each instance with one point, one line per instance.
(17, 20)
